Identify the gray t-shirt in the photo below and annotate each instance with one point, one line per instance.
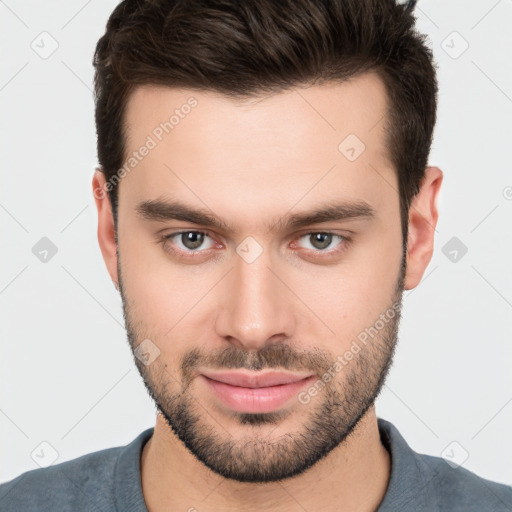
(109, 480)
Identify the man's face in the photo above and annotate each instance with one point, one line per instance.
(256, 293)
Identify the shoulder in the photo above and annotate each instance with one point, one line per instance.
(429, 483)
(460, 489)
(84, 483)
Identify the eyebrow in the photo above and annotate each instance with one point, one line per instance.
(164, 210)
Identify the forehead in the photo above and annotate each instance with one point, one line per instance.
(356, 106)
(319, 141)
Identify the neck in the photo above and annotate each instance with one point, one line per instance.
(353, 476)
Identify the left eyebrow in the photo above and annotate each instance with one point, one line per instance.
(164, 210)
(330, 212)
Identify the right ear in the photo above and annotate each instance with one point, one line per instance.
(106, 229)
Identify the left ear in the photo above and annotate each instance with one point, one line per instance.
(423, 216)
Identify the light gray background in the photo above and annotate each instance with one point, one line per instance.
(67, 377)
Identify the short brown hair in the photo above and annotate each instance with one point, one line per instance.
(244, 48)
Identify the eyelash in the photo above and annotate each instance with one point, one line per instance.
(344, 242)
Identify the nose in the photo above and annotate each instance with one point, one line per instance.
(256, 306)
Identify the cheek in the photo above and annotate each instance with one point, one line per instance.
(149, 285)
(351, 296)
(167, 300)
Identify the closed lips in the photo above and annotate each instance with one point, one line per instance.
(260, 380)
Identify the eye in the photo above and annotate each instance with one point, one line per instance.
(189, 241)
(322, 240)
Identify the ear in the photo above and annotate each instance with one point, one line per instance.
(106, 229)
(423, 216)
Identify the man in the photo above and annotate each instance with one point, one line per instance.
(263, 201)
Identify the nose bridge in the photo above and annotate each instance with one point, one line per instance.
(255, 305)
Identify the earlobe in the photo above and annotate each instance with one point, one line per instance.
(106, 227)
(423, 216)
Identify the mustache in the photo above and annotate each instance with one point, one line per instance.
(278, 355)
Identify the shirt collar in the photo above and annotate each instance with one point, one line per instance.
(410, 484)
(127, 475)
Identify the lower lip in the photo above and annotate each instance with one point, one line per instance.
(256, 400)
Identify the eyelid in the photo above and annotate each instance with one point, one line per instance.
(345, 241)
(168, 237)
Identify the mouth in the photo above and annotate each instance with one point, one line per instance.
(255, 392)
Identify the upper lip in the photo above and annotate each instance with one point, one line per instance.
(255, 380)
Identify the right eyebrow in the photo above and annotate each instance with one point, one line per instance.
(159, 210)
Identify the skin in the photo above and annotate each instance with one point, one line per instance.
(250, 163)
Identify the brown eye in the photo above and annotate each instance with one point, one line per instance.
(192, 239)
(322, 241)
(189, 241)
